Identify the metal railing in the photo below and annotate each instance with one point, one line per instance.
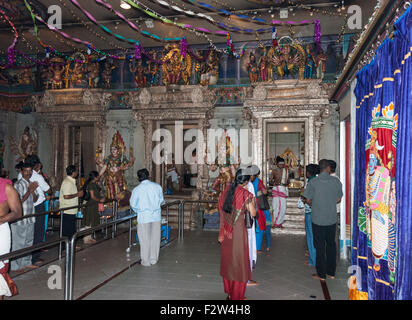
(25, 251)
(70, 243)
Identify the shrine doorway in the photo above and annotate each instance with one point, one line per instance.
(287, 139)
(81, 148)
(183, 141)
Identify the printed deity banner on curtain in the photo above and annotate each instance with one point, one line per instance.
(376, 246)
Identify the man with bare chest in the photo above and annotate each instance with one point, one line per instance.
(279, 192)
(10, 210)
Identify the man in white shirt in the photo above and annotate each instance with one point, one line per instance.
(39, 206)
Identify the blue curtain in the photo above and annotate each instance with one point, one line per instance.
(403, 44)
(382, 213)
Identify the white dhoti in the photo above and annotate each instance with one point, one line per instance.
(251, 233)
(5, 244)
(279, 194)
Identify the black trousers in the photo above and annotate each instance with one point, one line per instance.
(325, 245)
(69, 225)
(39, 230)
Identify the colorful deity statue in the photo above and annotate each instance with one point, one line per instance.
(210, 70)
(310, 63)
(57, 79)
(77, 73)
(252, 68)
(176, 67)
(107, 74)
(93, 69)
(288, 59)
(153, 71)
(26, 77)
(114, 166)
(139, 74)
(27, 144)
(380, 203)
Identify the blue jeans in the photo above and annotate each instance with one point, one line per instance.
(309, 240)
(259, 237)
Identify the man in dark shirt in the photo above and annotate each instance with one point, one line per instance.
(322, 194)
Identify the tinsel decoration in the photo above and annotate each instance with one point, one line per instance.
(318, 34)
(137, 53)
(183, 47)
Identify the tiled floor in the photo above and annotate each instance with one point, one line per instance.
(186, 270)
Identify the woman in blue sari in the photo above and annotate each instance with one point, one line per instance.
(264, 219)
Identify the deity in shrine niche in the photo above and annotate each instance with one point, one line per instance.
(310, 63)
(175, 66)
(321, 64)
(107, 74)
(57, 75)
(152, 71)
(288, 59)
(25, 76)
(252, 68)
(27, 144)
(77, 73)
(93, 68)
(114, 166)
(139, 74)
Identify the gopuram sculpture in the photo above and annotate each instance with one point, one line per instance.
(176, 68)
(114, 166)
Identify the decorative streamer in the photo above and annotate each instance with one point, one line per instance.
(183, 47)
(137, 54)
(274, 37)
(11, 50)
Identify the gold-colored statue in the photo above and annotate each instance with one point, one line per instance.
(93, 68)
(252, 68)
(288, 59)
(25, 76)
(139, 74)
(210, 70)
(291, 161)
(77, 73)
(176, 68)
(114, 166)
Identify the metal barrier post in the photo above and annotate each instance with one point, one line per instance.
(71, 267)
(183, 220)
(61, 234)
(67, 271)
(167, 223)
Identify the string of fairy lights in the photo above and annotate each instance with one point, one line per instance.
(230, 11)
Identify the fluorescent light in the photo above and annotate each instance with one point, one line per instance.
(124, 5)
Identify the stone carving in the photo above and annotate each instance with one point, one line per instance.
(145, 96)
(197, 95)
(314, 90)
(48, 99)
(259, 93)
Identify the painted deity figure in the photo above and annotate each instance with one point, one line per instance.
(252, 68)
(27, 144)
(77, 73)
(25, 77)
(114, 166)
(139, 74)
(310, 63)
(107, 74)
(57, 79)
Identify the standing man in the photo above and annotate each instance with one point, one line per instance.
(44, 192)
(69, 197)
(10, 210)
(279, 192)
(146, 200)
(322, 194)
(23, 230)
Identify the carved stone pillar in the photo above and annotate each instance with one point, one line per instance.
(318, 126)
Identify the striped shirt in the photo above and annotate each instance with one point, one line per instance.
(22, 186)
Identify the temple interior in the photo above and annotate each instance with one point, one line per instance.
(191, 90)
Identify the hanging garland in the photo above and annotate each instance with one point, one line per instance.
(11, 50)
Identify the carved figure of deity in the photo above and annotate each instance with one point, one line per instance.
(321, 64)
(139, 74)
(252, 68)
(57, 79)
(263, 68)
(288, 60)
(310, 63)
(291, 161)
(210, 70)
(93, 68)
(175, 67)
(107, 74)
(114, 166)
(27, 144)
(77, 73)
(25, 77)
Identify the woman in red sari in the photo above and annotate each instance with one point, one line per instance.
(233, 237)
